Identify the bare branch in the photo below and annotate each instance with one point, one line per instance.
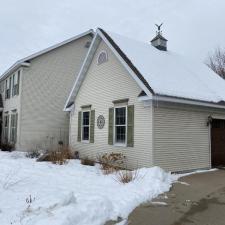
(216, 62)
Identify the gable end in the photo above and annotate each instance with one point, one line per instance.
(127, 60)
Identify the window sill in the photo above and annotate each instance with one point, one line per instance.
(85, 141)
(120, 145)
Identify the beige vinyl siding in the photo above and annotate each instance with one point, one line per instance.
(182, 137)
(103, 84)
(46, 86)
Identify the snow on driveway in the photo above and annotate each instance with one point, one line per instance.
(41, 193)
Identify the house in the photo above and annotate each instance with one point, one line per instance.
(34, 91)
(156, 107)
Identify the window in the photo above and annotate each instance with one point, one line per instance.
(6, 128)
(120, 125)
(13, 127)
(15, 86)
(1, 87)
(7, 88)
(102, 57)
(85, 125)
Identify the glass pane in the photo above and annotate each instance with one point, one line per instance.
(85, 133)
(85, 118)
(121, 116)
(120, 134)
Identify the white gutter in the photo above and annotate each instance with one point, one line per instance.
(181, 101)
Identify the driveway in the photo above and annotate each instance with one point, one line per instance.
(196, 199)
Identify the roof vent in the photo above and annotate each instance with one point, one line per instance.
(159, 41)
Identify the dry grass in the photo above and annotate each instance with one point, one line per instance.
(87, 162)
(126, 176)
(110, 162)
(59, 156)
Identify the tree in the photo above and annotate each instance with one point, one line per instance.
(216, 62)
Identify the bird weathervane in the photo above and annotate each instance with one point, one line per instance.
(159, 27)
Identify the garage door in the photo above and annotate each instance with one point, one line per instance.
(218, 142)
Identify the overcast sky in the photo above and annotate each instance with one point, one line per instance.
(192, 27)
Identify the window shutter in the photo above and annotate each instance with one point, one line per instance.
(10, 85)
(18, 83)
(16, 124)
(92, 126)
(130, 126)
(11, 125)
(79, 127)
(110, 128)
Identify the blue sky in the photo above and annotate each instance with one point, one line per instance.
(193, 28)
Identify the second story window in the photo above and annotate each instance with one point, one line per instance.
(15, 86)
(7, 88)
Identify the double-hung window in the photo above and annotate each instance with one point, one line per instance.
(7, 88)
(120, 125)
(6, 128)
(13, 127)
(85, 125)
(15, 85)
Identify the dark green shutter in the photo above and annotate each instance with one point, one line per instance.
(11, 125)
(79, 127)
(92, 126)
(110, 128)
(18, 82)
(130, 126)
(10, 85)
(16, 124)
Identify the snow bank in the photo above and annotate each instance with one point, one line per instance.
(34, 193)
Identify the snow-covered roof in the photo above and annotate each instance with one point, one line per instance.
(20, 62)
(170, 74)
(162, 73)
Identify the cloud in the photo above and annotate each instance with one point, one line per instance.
(192, 27)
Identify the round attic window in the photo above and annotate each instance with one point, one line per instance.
(102, 57)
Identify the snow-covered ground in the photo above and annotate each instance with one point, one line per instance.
(41, 193)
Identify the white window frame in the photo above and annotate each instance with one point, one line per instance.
(7, 88)
(6, 128)
(103, 51)
(13, 114)
(114, 127)
(85, 141)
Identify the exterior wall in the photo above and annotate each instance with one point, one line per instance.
(182, 137)
(103, 84)
(14, 102)
(46, 86)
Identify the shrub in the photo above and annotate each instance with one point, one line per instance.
(7, 147)
(111, 162)
(33, 154)
(59, 156)
(126, 176)
(76, 155)
(87, 162)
